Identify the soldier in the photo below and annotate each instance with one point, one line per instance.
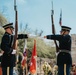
(8, 58)
(64, 54)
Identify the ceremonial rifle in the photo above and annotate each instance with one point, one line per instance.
(16, 24)
(16, 30)
(53, 27)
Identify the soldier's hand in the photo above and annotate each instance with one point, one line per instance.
(45, 36)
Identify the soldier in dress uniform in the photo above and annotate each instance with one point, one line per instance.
(64, 54)
(8, 58)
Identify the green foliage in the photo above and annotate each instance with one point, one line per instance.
(1, 33)
(3, 20)
(43, 50)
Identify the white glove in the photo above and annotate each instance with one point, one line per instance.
(57, 53)
(1, 54)
(14, 51)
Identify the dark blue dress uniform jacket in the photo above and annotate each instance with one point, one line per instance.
(8, 59)
(64, 44)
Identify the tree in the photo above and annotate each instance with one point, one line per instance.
(3, 20)
(41, 32)
(43, 49)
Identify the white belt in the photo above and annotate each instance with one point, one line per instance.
(66, 51)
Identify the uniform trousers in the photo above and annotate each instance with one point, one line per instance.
(61, 69)
(4, 71)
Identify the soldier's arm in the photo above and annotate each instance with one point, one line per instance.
(22, 36)
(59, 37)
(5, 44)
(55, 37)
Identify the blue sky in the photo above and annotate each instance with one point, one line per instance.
(36, 13)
